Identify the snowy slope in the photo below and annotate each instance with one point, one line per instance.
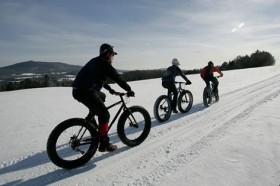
(234, 142)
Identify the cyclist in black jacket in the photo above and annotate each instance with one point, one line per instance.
(168, 81)
(88, 83)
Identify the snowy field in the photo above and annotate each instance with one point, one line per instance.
(234, 142)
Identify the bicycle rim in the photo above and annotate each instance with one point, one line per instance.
(162, 108)
(185, 101)
(134, 126)
(207, 99)
(72, 143)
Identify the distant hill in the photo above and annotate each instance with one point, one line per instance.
(38, 67)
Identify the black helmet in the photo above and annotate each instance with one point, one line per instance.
(106, 48)
(210, 63)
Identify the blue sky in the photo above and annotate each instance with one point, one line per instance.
(147, 34)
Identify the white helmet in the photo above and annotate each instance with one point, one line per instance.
(175, 62)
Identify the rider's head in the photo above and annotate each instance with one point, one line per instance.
(210, 64)
(175, 62)
(107, 52)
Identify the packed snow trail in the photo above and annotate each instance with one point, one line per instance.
(170, 147)
(179, 144)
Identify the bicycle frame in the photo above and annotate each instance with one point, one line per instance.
(122, 107)
(179, 89)
(211, 86)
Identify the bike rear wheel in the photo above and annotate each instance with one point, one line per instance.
(162, 108)
(207, 97)
(185, 101)
(72, 143)
(134, 126)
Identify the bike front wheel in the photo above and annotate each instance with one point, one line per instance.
(162, 108)
(185, 101)
(134, 126)
(207, 97)
(72, 143)
(217, 97)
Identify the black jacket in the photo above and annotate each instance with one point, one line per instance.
(172, 72)
(94, 74)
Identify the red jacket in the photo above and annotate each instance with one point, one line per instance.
(211, 71)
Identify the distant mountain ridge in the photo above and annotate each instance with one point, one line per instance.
(38, 67)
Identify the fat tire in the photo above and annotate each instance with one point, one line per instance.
(157, 105)
(217, 97)
(58, 130)
(146, 130)
(180, 98)
(206, 97)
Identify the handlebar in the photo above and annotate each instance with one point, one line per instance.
(180, 82)
(121, 94)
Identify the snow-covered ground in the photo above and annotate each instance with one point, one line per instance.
(234, 142)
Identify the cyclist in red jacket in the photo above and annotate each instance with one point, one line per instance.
(207, 75)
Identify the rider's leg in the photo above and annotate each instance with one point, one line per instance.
(96, 105)
(103, 118)
(207, 83)
(216, 84)
(173, 89)
(93, 101)
(102, 96)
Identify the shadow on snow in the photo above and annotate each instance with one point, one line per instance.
(41, 158)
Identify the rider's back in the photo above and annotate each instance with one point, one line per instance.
(171, 73)
(94, 74)
(207, 72)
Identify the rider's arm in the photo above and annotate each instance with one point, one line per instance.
(218, 70)
(202, 73)
(107, 87)
(182, 75)
(113, 74)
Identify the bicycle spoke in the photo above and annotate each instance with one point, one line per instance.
(134, 129)
(69, 144)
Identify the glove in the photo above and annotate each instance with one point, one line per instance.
(188, 82)
(130, 94)
(112, 91)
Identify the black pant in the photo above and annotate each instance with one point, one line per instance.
(171, 89)
(94, 102)
(215, 82)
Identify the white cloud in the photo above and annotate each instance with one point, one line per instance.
(241, 25)
(153, 31)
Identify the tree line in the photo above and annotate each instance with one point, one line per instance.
(256, 59)
(45, 81)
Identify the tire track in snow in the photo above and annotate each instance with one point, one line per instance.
(256, 94)
(177, 143)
